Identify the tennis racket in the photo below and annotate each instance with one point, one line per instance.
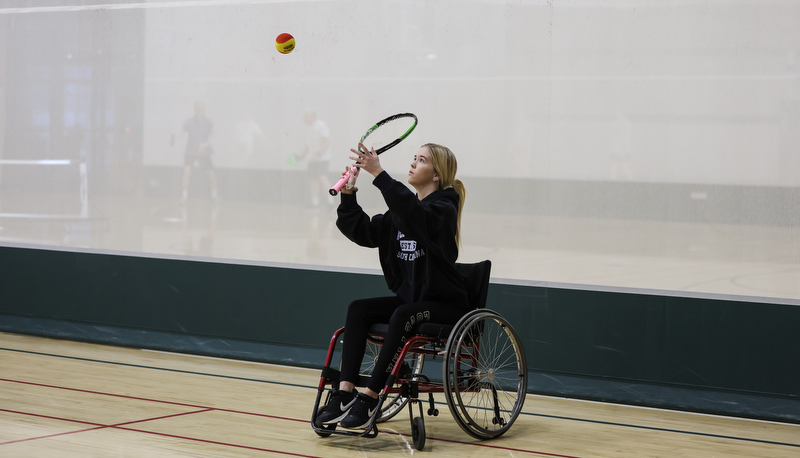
(382, 137)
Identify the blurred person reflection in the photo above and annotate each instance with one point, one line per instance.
(319, 236)
(317, 153)
(198, 131)
(199, 220)
(248, 135)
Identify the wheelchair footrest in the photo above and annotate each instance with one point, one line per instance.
(368, 433)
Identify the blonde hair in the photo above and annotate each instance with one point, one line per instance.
(445, 164)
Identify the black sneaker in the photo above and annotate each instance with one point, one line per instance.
(337, 408)
(361, 413)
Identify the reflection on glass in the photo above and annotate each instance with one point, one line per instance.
(604, 143)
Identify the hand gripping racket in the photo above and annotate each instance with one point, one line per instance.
(383, 136)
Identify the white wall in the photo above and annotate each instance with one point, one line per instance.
(691, 91)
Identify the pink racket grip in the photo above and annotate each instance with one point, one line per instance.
(338, 186)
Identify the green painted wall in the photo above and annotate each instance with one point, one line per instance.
(265, 304)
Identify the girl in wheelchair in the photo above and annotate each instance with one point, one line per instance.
(417, 240)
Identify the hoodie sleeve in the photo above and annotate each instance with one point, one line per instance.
(356, 225)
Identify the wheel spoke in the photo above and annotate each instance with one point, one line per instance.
(394, 402)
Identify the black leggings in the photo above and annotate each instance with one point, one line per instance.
(401, 317)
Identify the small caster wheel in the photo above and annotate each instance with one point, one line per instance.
(418, 433)
(327, 430)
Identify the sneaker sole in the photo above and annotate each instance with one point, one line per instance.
(337, 419)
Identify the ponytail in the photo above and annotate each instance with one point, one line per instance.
(445, 164)
(462, 196)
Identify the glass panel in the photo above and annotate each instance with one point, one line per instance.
(611, 144)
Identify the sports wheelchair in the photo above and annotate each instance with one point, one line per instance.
(484, 374)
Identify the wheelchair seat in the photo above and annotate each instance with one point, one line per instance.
(476, 277)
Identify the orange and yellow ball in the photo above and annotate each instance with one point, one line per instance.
(284, 43)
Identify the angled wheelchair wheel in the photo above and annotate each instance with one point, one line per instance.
(485, 374)
(394, 401)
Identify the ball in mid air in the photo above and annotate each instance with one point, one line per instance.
(284, 43)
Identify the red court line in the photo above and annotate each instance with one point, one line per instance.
(121, 426)
(96, 425)
(29, 439)
(206, 441)
(100, 425)
(208, 409)
(496, 447)
(100, 393)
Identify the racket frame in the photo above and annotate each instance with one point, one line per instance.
(334, 190)
(402, 137)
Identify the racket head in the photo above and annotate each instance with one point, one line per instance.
(388, 132)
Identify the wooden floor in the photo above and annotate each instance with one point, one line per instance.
(65, 399)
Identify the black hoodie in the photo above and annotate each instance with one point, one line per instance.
(416, 240)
